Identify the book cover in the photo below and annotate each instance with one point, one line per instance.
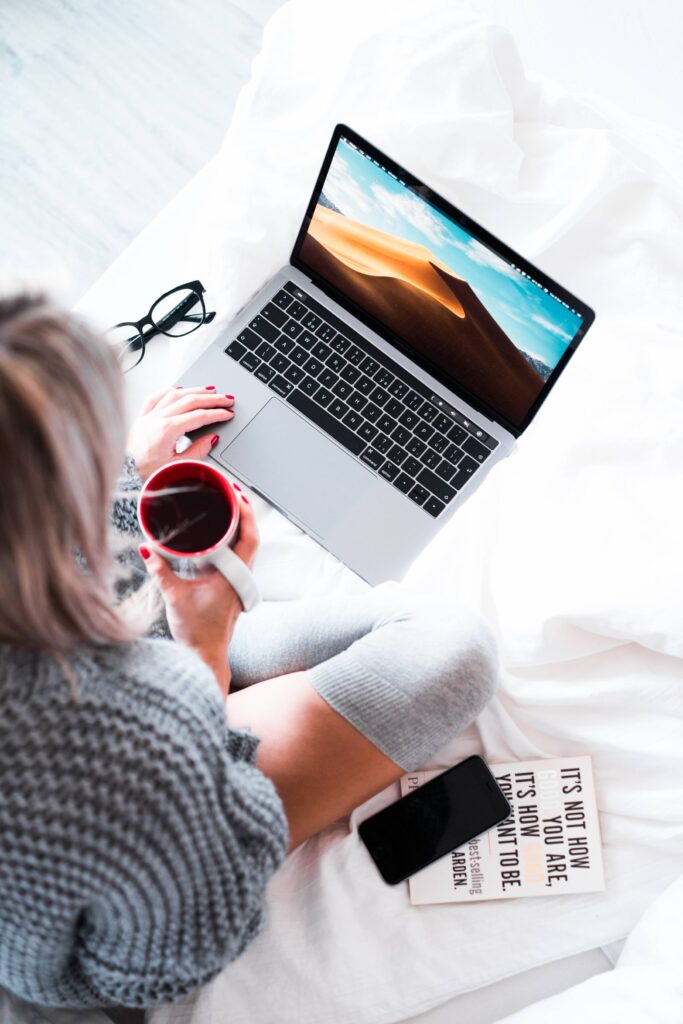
(549, 846)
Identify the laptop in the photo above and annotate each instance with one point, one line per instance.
(382, 373)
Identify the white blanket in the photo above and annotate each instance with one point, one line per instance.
(572, 548)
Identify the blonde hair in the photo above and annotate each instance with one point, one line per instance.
(62, 438)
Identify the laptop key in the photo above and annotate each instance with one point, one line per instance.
(321, 418)
(394, 407)
(350, 373)
(379, 396)
(338, 408)
(401, 435)
(413, 400)
(297, 310)
(403, 482)
(292, 329)
(475, 449)
(264, 329)
(389, 470)
(283, 344)
(386, 423)
(383, 443)
(408, 419)
(313, 367)
(353, 420)
(411, 466)
(342, 389)
(280, 386)
(323, 397)
(452, 454)
(445, 470)
(265, 373)
(250, 362)
(309, 385)
(442, 423)
(340, 344)
(433, 506)
(249, 339)
(282, 299)
(357, 401)
(273, 315)
(327, 378)
(464, 472)
(335, 362)
(369, 366)
(294, 373)
(456, 434)
(371, 412)
(438, 442)
(428, 412)
(307, 340)
(299, 355)
(384, 378)
(399, 388)
(311, 322)
(321, 351)
(430, 458)
(436, 485)
(396, 454)
(235, 350)
(325, 332)
(372, 458)
(365, 385)
(280, 363)
(424, 431)
(367, 432)
(415, 446)
(419, 494)
(355, 355)
(265, 351)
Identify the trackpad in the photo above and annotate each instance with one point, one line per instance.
(299, 469)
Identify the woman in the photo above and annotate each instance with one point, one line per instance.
(138, 830)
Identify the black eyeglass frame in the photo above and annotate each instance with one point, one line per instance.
(179, 313)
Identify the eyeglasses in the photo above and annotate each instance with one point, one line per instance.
(174, 313)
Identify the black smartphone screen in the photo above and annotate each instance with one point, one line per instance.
(431, 821)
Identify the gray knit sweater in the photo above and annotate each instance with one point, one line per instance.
(136, 834)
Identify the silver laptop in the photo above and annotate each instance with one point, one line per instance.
(381, 374)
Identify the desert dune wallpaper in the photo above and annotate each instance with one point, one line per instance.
(454, 301)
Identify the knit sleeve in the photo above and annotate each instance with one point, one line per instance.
(124, 511)
(192, 832)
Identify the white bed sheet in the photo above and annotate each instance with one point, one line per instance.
(571, 549)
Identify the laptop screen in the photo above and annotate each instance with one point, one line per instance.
(485, 322)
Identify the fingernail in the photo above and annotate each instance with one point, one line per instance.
(214, 440)
(237, 487)
(145, 552)
(230, 413)
(209, 387)
(244, 500)
(230, 396)
(179, 387)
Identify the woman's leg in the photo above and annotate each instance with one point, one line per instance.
(356, 691)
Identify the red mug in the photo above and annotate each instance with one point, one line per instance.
(189, 514)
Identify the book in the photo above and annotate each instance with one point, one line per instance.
(549, 846)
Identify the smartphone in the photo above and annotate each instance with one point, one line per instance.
(433, 820)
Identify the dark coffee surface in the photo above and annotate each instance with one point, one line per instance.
(189, 516)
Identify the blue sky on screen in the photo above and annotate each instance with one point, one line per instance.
(532, 319)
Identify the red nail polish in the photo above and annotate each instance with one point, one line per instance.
(214, 440)
(145, 552)
(237, 487)
(244, 500)
(209, 387)
(229, 396)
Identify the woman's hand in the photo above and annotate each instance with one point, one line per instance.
(202, 612)
(168, 415)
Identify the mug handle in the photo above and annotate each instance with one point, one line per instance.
(238, 576)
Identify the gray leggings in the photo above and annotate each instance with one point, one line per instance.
(409, 674)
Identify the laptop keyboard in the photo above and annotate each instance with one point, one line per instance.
(367, 403)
